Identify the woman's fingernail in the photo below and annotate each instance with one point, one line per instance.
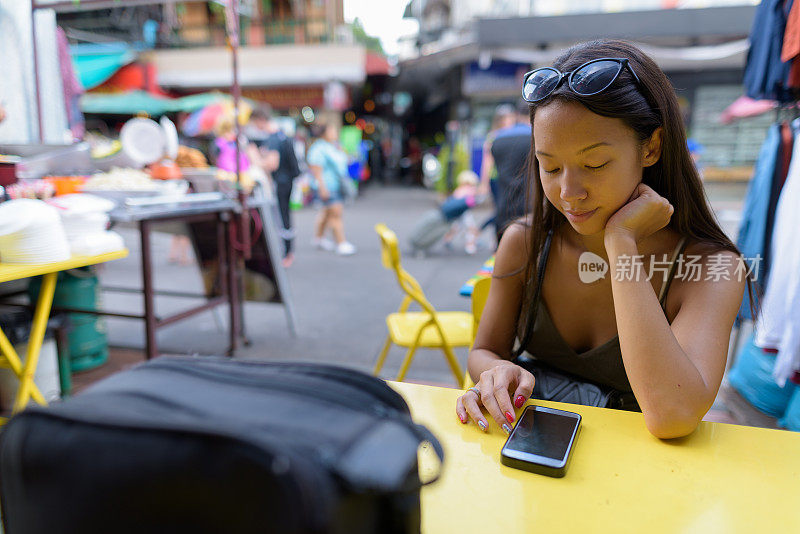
(461, 418)
(519, 401)
(507, 429)
(482, 425)
(509, 417)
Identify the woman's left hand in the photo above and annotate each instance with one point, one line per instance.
(645, 213)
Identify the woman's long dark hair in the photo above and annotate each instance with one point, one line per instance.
(643, 108)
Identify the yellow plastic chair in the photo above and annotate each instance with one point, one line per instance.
(427, 328)
(480, 293)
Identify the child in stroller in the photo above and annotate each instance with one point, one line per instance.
(452, 216)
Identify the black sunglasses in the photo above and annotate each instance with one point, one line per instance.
(589, 79)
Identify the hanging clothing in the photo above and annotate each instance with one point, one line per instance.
(752, 229)
(791, 45)
(778, 326)
(791, 35)
(765, 75)
(71, 86)
(785, 151)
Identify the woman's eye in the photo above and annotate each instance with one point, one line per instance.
(551, 172)
(598, 166)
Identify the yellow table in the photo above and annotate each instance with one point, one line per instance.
(26, 370)
(722, 478)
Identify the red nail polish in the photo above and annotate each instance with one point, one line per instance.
(509, 417)
(461, 418)
(519, 401)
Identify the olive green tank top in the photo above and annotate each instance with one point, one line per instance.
(601, 364)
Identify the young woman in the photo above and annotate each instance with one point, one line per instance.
(328, 164)
(609, 174)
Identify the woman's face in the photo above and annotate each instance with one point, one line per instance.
(589, 165)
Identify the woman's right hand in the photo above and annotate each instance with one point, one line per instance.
(497, 386)
(324, 194)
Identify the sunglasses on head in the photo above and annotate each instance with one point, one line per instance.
(589, 79)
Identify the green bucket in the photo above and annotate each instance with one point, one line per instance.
(78, 288)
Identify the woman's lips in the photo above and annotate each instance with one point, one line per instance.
(579, 216)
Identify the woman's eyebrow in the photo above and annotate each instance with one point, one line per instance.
(581, 151)
(588, 148)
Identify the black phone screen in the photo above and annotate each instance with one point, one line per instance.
(543, 433)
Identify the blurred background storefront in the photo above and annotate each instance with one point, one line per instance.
(469, 57)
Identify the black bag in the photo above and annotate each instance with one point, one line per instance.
(207, 445)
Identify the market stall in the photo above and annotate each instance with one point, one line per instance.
(152, 181)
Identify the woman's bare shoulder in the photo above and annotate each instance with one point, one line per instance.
(706, 269)
(513, 252)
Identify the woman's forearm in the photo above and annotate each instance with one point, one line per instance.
(670, 389)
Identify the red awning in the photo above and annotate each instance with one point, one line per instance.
(377, 64)
(134, 76)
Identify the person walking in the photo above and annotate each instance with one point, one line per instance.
(273, 142)
(505, 116)
(509, 152)
(328, 164)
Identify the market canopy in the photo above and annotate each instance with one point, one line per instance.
(135, 102)
(131, 103)
(96, 63)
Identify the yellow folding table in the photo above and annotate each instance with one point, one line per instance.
(25, 370)
(721, 478)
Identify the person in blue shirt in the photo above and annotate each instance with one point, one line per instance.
(328, 164)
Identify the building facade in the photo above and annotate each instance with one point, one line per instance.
(471, 56)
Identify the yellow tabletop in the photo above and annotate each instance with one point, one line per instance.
(722, 478)
(12, 271)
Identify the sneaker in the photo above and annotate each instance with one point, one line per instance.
(345, 249)
(323, 243)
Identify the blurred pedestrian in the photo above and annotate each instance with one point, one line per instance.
(328, 164)
(504, 117)
(509, 151)
(278, 155)
(223, 149)
(463, 198)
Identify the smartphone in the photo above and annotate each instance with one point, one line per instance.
(542, 441)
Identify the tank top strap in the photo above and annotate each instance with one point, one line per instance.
(541, 268)
(672, 268)
(534, 308)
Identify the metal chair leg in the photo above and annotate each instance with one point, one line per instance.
(406, 363)
(454, 366)
(382, 356)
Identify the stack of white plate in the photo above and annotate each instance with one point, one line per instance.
(85, 221)
(31, 232)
